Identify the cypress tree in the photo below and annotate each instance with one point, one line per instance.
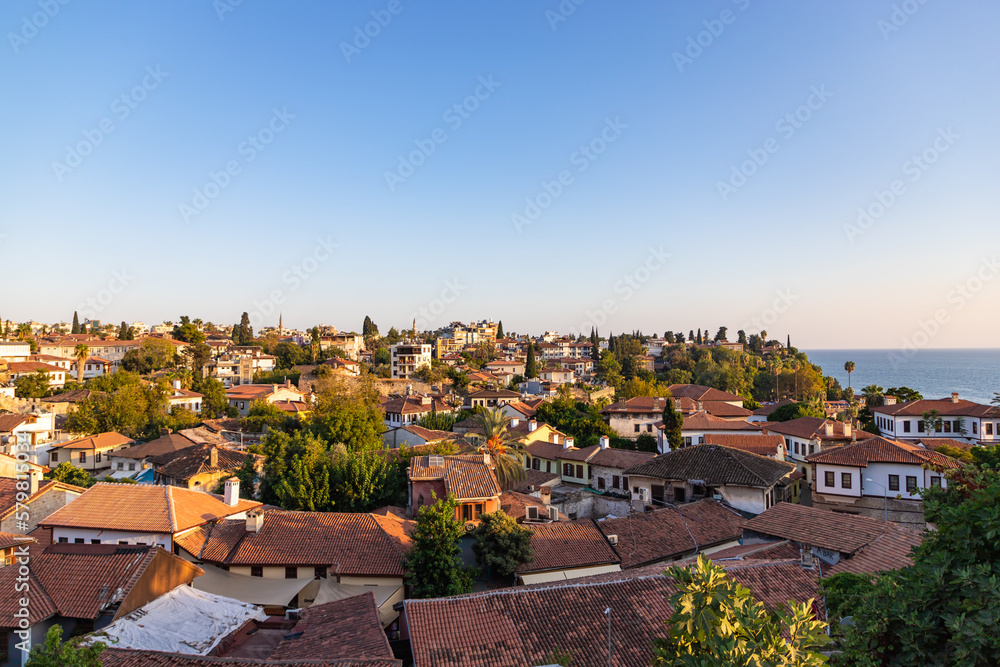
(530, 367)
(673, 422)
(500, 329)
(76, 323)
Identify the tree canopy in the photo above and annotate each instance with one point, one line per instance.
(433, 564)
(502, 545)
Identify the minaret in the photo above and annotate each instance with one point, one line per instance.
(281, 327)
(414, 328)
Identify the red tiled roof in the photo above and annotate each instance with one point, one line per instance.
(412, 405)
(834, 531)
(668, 533)
(143, 508)
(535, 478)
(114, 657)
(808, 428)
(170, 442)
(766, 410)
(699, 392)
(100, 441)
(620, 458)
(9, 491)
(889, 551)
(762, 444)
(522, 626)
(184, 464)
(566, 545)
(348, 628)
(703, 421)
(514, 504)
(467, 477)
(716, 466)
(355, 544)
(944, 406)
(9, 422)
(879, 450)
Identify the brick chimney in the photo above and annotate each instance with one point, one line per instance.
(232, 494)
(255, 520)
(213, 457)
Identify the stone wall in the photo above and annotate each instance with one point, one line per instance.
(905, 512)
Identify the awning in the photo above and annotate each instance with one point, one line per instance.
(385, 596)
(563, 575)
(255, 590)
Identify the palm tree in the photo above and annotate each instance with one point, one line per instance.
(849, 367)
(80, 353)
(503, 447)
(775, 365)
(873, 395)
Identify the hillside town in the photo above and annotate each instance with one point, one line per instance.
(197, 494)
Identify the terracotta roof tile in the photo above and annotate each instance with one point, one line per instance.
(620, 458)
(467, 477)
(835, 531)
(889, 551)
(565, 545)
(105, 440)
(348, 628)
(142, 508)
(879, 450)
(944, 406)
(9, 491)
(184, 464)
(535, 478)
(114, 657)
(762, 444)
(703, 421)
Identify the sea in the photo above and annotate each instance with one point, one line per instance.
(935, 373)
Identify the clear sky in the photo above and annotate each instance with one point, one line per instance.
(640, 165)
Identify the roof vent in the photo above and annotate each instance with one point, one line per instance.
(232, 491)
(613, 539)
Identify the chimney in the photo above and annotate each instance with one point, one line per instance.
(255, 520)
(700, 408)
(954, 397)
(425, 400)
(545, 493)
(177, 386)
(532, 425)
(828, 428)
(33, 475)
(555, 438)
(605, 441)
(232, 495)
(409, 390)
(849, 430)
(164, 431)
(807, 557)
(213, 457)
(514, 423)
(568, 443)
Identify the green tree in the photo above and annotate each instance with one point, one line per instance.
(76, 324)
(874, 395)
(198, 355)
(904, 394)
(188, 332)
(393, 336)
(637, 386)
(791, 411)
(81, 353)
(263, 414)
(32, 385)
(433, 564)
(716, 621)
(673, 422)
(500, 329)
(244, 331)
(289, 354)
(348, 414)
(369, 329)
(67, 473)
(501, 545)
(362, 481)
(530, 365)
(57, 653)
(849, 367)
(943, 609)
(504, 448)
(721, 333)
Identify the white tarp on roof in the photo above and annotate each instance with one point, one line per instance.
(255, 590)
(184, 620)
(330, 590)
(563, 575)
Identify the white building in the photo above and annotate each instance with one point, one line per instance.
(406, 358)
(811, 435)
(959, 419)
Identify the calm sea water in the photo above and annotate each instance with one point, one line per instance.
(973, 373)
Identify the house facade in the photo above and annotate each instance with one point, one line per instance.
(963, 420)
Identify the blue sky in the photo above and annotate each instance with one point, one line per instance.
(355, 186)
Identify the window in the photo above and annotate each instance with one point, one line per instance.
(649, 428)
(256, 571)
(95, 541)
(796, 446)
(83, 457)
(97, 457)
(974, 427)
(600, 483)
(989, 428)
(894, 482)
(125, 542)
(131, 466)
(567, 470)
(616, 482)
(911, 484)
(319, 572)
(121, 465)
(548, 466)
(63, 540)
(936, 482)
(536, 464)
(920, 426)
(579, 472)
(906, 426)
(812, 449)
(54, 456)
(687, 441)
(701, 440)
(830, 481)
(78, 540)
(937, 427)
(637, 428)
(947, 427)
(291, 573)
(845, 480)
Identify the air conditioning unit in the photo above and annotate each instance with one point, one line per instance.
(292, 614)
(553, 514)
(613, 539)
(644, 495)
(531, 513)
